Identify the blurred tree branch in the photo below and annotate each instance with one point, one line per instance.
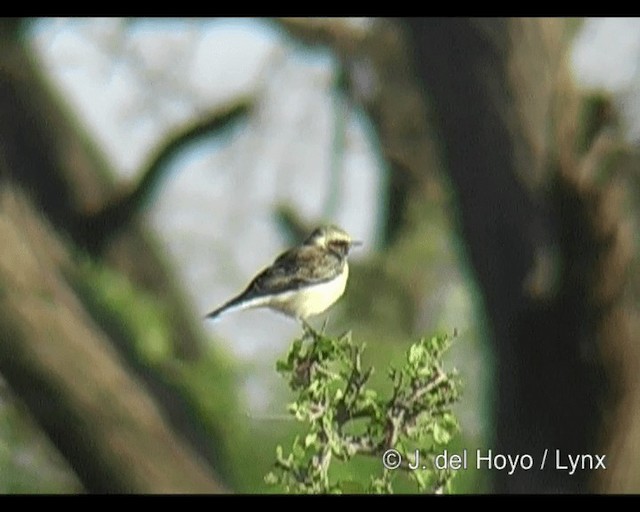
(47, 157)
(379, 77)
(122, 208)
(71, 378)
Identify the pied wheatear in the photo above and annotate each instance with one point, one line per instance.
(303, 281)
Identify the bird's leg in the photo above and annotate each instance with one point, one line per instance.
(310, 331)
(306, 326)
(325, 323)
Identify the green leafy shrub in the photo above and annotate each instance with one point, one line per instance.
(345, 418)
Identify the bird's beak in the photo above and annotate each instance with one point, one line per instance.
(356, 243)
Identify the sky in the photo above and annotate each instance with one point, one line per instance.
(606, 56)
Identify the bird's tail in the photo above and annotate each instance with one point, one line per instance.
(237, 303)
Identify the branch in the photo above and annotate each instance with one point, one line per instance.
(125, 204)
(376, 61)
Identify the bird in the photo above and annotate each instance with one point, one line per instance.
(303, 281)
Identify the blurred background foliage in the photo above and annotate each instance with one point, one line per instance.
(169, 159)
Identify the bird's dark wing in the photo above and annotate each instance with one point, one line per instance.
(294, 269)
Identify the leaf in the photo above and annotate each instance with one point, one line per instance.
(297, 450)
(416, 354)
(283, 366)
(441, 435)
(310, 439)
(271, 478)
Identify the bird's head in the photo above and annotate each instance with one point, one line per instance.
(332, 238)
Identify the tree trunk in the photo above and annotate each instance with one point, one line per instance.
(73, 381)
(546, 237)
(93, 403)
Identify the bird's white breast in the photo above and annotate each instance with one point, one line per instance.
(311, 300)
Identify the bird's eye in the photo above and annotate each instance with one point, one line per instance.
(340, 246)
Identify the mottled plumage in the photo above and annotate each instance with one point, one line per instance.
(303, 281)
